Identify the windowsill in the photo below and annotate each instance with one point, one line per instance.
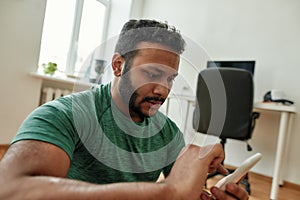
(61, 78)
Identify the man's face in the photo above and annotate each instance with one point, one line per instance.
(147, 84)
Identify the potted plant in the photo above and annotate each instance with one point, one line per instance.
(49, 68)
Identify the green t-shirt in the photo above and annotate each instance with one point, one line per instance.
(104, 146)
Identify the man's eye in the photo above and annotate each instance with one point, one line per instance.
(152, 76)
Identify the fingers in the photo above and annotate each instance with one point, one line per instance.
(222, 169)
(189, 172)
(219, 194)
(237, 191)
(214, 155)
(193, 163)
(212, 151)
(233, 192)
(206, 196)
(218, 167)
(243, 177)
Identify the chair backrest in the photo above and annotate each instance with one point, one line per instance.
(224, 103)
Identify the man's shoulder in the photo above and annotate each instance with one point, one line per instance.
(98, 92)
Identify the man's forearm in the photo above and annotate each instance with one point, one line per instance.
(42, 187)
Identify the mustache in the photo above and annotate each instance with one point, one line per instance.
(162, 100)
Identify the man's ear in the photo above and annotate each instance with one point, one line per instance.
(117, 64)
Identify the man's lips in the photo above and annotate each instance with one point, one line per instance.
(155, 100)
(155, 104)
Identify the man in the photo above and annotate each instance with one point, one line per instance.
(110, 142)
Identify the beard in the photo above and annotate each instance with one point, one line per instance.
(130, 95)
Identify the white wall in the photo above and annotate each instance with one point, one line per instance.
(120, 12)
(266, 31)
(21, 26)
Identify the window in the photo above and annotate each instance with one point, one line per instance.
(72, 30)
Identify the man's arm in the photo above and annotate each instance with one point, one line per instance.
(37, 170)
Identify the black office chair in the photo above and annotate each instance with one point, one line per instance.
(224, 106)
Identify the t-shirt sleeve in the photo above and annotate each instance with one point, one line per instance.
(52, 123)
(174, 151)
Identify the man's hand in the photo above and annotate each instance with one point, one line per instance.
(233, 192)
(190, 170)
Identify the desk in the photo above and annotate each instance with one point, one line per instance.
(283, 132)
(284, 129)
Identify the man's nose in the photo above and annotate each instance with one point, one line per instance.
(162, 88)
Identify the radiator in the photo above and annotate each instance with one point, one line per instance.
(50, 93)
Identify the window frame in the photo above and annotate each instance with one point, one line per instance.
(73, 47)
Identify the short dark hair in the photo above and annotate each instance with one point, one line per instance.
(137, 31)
